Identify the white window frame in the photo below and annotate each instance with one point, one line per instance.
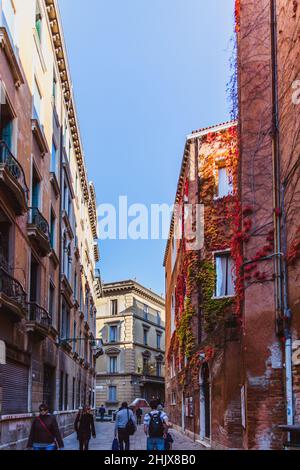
(216, 254)
(228, 187)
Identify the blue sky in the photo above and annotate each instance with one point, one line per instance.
(145, 74)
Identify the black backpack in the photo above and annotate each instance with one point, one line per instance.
(156, 426)
(130, 426)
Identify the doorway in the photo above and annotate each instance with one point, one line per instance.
(205, 426)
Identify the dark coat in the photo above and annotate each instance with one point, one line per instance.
(39, 435)
(85, 426)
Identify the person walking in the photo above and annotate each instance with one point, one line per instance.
(102, 412)
(139, 414)
(44, 433)
(156, 426)
(85, 427)
(124, 427)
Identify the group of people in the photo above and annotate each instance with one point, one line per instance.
(45, 434)
(156, 427)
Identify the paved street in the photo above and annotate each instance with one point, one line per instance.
(105, 432)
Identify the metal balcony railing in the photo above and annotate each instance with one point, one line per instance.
(37, 219)
(10, 287)
(38, 314)
(8, 161)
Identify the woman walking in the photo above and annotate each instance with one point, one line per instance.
(44, 433)
(85, 427)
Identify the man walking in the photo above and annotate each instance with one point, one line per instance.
(156, 426)
(125, 420)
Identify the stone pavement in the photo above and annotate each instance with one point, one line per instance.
(105, 434)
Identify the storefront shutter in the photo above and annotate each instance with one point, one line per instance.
(14, 383)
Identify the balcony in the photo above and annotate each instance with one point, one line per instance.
(38, 231)
(151, 379)
(12, 178)
(39, 320)
(12, 296)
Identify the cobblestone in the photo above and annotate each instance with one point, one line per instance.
(105, 434)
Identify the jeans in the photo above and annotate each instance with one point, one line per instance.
(155, 443)
(43, 447)
(123, 438)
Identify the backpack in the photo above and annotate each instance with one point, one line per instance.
(156, 427)
(130, 426)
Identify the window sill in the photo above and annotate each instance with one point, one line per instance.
(223, 297)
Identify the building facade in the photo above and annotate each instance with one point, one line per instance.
(48, 228)
(131, 323)
(268, 96)
(203, 345)
(232, 345)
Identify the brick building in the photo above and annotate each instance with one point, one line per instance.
(269, 142)
(48, 227)
(202, 335)
(235, 371)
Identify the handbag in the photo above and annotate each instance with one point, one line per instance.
(115, 444)
(47, 430)
(130, 426)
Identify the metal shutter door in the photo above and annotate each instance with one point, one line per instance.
(14, 382)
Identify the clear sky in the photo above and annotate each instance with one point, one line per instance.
(145, 74)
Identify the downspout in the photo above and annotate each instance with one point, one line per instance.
(281, 290)
(60, 239)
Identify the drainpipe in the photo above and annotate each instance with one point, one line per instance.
(282, 301)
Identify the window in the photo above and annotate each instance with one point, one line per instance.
(38, 20)
(73, 395)
(146, 336)
(174, 251)
(65, 322)
(75, 285)
(145, 365)
(61, 391)
(74, 335)
(113, 334)
(173, 398)
(54, 159)
(66, 392)
(158, 316)
(113, 365)
(224, 183)
(37, 101)
(54, 88)
(114, 307)
(158, 340)
(52, 229)
(173, 314)
(224, 275)
(146, 310)
(158, 368)
(112, 393)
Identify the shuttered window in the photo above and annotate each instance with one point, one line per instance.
(14, 384)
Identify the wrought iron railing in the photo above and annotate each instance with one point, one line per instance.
(8, 161)
(10, 287)
(37, 219)
(38, 314)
